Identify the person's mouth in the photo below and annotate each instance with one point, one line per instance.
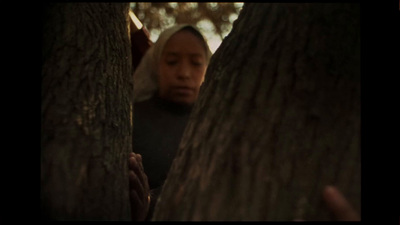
(183, 90)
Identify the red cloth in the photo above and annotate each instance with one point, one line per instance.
(140, 43)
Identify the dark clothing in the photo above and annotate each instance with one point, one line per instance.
(158, 126)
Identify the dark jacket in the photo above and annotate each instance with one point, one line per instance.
(158, 126)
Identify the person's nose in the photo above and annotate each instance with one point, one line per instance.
(184, 71)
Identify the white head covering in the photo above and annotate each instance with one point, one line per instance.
(145, 76)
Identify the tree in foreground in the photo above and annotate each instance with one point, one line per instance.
(278, 118)
(86, 113)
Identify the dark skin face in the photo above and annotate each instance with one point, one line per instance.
(182, 68)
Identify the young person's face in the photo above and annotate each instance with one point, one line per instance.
(182, 68)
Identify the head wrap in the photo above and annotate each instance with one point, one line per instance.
(145, 76)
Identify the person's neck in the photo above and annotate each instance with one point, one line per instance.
(175, 107)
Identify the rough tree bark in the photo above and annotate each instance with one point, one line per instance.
(85, 113)
(278, 118)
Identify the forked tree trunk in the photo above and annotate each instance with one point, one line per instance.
(85, 113)
(278, 118)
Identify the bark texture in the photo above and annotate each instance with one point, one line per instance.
(86, 111)
(278, 118)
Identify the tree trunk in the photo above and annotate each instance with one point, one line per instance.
(86, 108)
(278, 118)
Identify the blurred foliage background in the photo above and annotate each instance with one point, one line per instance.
(214, 19)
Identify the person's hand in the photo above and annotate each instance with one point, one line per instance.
(139, 191)
(339, 206)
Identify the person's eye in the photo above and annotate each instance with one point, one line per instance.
(197, 63)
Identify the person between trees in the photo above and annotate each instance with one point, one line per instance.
(166, 85)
